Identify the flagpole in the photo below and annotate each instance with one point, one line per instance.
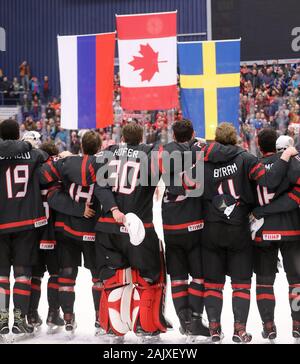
(208, 19)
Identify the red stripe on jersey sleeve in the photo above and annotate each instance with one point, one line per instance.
(208, 151)
(53, 169)
(294, 197)
(92, 172)
(259, 174)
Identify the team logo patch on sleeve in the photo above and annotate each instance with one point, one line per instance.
(271, 237)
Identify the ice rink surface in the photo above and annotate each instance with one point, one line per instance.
(85, 316)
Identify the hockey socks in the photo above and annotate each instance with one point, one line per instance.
(21, 294)
(180, 294)
(53, 293)
(213, 298)
(96, 290)
(187, 295)
(35, 293)
(66, 281)
(4, 293)
(196, 295)
(265, 299)
(241, 301)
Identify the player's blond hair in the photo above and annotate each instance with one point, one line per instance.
(226, 134)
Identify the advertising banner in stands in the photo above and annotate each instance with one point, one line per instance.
(270, 29)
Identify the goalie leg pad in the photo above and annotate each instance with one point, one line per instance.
(147, 306)
(115, 301)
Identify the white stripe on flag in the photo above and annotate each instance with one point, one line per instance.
(67, 51)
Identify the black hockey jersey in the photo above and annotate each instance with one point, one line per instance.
(129, 165)
(20, 198)
(285, 225)
(229, 174)
(13, 147)
(180, 213)
(77, 175)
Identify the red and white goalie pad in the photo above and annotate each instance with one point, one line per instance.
(128, 299)
(115, 303)
(148, 304)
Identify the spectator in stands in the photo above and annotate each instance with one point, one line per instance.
(36, 107)
(35, 86)
(61, 139)
(45, 90)
(16, 89)
(5, 88)
(26, 106)
(50, 112)
(29, 124)
(25, 75)
(75, 143)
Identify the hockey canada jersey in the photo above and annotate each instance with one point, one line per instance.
(180, 213)
(229, 176)
(77, 176)
(127, 166)
(284, 225)
(20, 198)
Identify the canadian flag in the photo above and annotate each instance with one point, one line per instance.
(148, 61)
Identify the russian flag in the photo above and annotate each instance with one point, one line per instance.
(86, 65)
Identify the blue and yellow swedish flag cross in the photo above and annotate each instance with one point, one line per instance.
(210, 80)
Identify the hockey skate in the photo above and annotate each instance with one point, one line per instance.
(21, 329)
(112, 338)
(144, 337)
(35, 320)
(240, 335)
(4, 326)
(70, 324)
(197, 332)
(216, 333)
(184, 317)
(296, 331)
(99, 331)
(269, 331)
(54, 322)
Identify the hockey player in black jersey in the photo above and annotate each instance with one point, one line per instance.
(21, 216)
(48, 258)
(182, 224)
(75, 233)
(280, 232)
(132, 275)
(227, 248)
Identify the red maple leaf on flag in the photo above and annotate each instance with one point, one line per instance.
(148, 62)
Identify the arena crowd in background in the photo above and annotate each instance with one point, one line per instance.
(269, 97)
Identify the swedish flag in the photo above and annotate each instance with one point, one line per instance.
(209, 81)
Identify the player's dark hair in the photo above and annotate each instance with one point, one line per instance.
(226, 134)
(91, 143)
(183, 130)
(267, 140)
(9, 130)
(132, 134)
(50, 148)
